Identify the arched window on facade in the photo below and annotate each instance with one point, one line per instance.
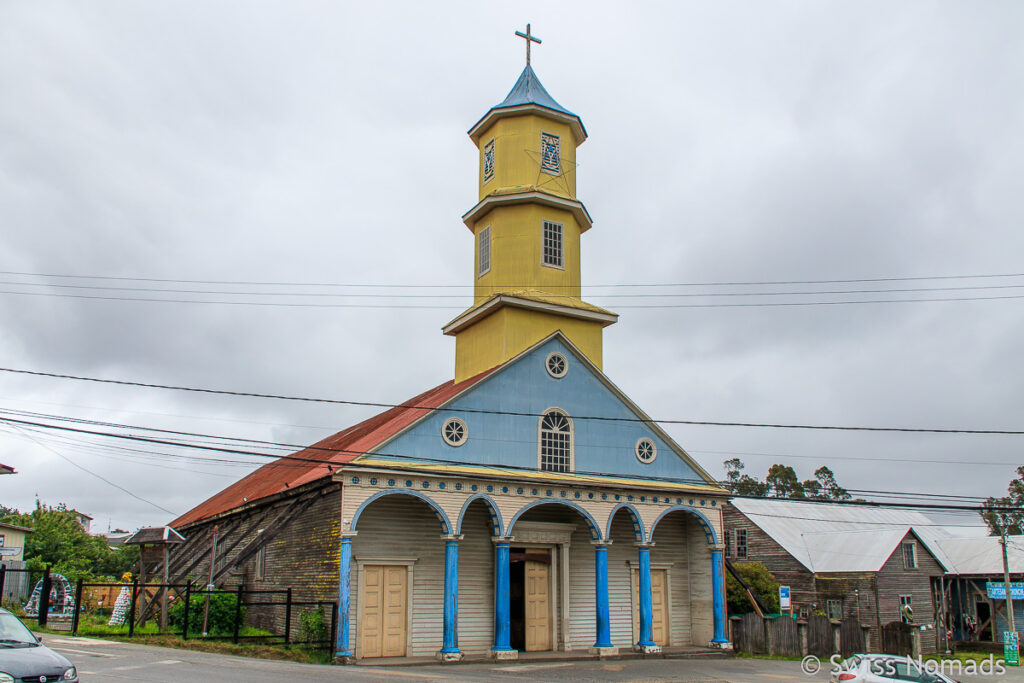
(555, 442)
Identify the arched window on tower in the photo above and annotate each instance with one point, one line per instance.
(555, 442)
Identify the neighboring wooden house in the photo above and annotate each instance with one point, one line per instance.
(971, 564)
(841, 560)
(12, 556)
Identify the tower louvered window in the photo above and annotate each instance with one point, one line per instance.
(555, 442)
(484, 251)
(550, 154)
(489, 160)
(553, 244)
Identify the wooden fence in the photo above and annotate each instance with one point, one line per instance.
(786, 636)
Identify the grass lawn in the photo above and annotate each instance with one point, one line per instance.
(90, 626)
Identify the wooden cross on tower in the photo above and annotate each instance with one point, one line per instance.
(529, 39)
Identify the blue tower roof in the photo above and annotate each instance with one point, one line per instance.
(528, 90)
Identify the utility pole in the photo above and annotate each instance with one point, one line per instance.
(1006, 580)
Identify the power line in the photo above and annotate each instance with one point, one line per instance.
(301, 294)
(710, 423)
(444, 286)
(101, 478)
(410, 464)
(279, 304)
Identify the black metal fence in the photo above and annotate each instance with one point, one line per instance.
(21, 577)
(266, 616)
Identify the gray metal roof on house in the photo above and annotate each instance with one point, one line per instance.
(982, 556)
(827, 537)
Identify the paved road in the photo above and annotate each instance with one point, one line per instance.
(99, 660)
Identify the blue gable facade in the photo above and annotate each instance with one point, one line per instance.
(524, 389)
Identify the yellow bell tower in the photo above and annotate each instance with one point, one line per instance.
(526, 227)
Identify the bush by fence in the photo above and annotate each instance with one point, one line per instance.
(223, 613)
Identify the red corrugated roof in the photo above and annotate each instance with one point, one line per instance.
(290, 472)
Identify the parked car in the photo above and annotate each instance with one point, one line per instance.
(885, 669)
(23, 657)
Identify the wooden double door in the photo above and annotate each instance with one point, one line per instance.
(384, 606)
(530, 599)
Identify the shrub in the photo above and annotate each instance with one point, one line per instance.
(222, 613)
(760, 581)
(312, 626)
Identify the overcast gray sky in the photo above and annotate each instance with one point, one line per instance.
(307, 142)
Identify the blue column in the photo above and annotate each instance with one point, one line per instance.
(341, 648)
(718, 593)
(502, 631)
(451, 596)
(604, 632)
(646, 609)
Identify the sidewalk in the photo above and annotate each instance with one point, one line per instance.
(556, 656)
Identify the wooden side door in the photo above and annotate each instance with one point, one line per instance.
(538, 606)
(383, 611)
(659, 606)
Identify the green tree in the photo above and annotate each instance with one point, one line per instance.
(783, 482)
(1011, 520)
(760, 580)
(742, 484)
(58, 540)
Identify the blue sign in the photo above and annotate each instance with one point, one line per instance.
(997, 591)
(784, 598)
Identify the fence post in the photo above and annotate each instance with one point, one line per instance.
(801, 633)
(44, 597)
(915, 642)
(288, 617)
(866, 630)
(78, 607)
(131, 615)
(188, 604)
(238, 613)
(3, 577)
(334, 623)
(768, 644)
(837, 645)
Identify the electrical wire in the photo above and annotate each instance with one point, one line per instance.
(426, 409)
(412, 461)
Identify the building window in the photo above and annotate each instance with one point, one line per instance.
(835, 609)
(1, 540)
(555, 442)
(804, 613)
(489, 160)
(553, 244)
(741, 544)
(906, 609)
(646, 451)
(557, 365)
(910, 555)
(550, 154)
(454, 431)
(483, 247)
(261, 563)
